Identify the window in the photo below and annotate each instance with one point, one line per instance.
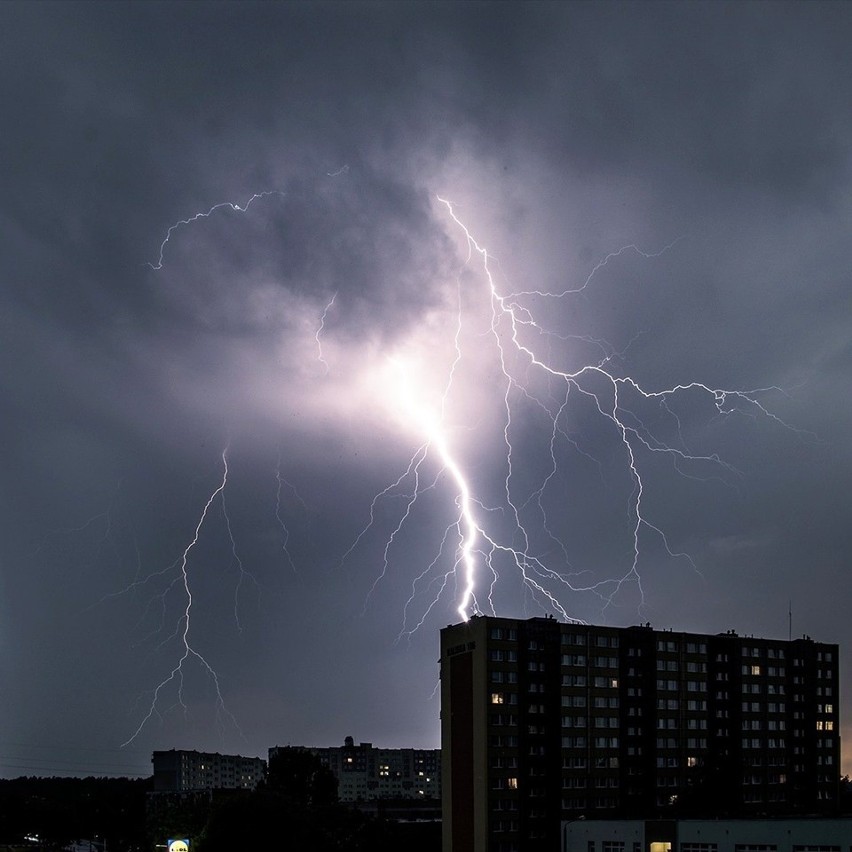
(497, 698)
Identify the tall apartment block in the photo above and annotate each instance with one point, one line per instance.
(545, 723)
(366, 773)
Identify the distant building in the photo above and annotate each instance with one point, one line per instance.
(717, 835)
(365, 773)
(190, 771)
(545, 723)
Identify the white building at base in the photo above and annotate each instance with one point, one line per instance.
(800, 834)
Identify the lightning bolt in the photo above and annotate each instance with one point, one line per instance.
(281, 482)
(328, 307)
(477, 544)
(182, 632)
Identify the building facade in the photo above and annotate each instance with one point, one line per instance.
(544, 722)
(365, 773)
(179, 771)
(717, 835)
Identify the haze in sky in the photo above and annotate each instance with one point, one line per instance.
(330, 324)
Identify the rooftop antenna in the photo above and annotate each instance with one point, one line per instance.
(790, 621)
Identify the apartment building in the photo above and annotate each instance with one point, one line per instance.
(366, 773)
(178, 771)
(544, 722)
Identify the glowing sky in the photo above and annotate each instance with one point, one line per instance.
(663, 195)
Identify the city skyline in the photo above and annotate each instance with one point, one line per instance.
(327, 325)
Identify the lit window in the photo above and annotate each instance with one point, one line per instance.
(512, 783)
(496, 697)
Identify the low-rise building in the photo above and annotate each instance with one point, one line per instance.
(799, 834)
(365, 773)
(179, 771)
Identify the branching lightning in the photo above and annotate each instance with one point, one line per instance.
(182, 632)
(486, 539)
(478, 544)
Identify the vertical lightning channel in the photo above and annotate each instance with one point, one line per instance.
(328, 307)
(467, 524)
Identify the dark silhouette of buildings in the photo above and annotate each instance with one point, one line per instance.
(545, 723)
(367, 773)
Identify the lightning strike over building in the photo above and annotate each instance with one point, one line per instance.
(490, 361)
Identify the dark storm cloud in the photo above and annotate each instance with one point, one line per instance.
(563, 132)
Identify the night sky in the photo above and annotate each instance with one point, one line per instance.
(663, 194)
